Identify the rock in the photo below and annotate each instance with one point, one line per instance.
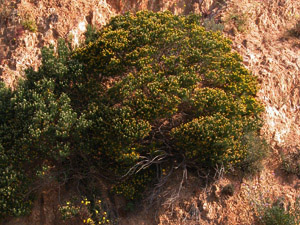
(207, 211)
(42, 26)
(245, 43)
(53, 18)
(216, 191)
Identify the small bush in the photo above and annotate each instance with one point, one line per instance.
(291, 162)
(228, 190)
(278, 215)
(257, 150)
(30, 24)
(275, 213)
(91, 34)
(296, 30)
(210, 24)
(239, 20)
(89, 211)
(68, 211)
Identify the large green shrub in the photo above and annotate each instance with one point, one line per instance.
(154, 88)
(150, 69)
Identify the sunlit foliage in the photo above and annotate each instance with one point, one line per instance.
(151, 85)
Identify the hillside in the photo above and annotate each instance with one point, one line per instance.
(261, 33)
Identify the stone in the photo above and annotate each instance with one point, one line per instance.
(53, 18)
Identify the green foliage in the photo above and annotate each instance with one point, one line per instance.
(239, 20)
(151, 86)
(91, 34)
(210, 24)
(291, 162)
(133, 187)
(257, 150)
(30, 24)
(89, 212)
(277, 215)
(68, 211)
(35, 125)
(164, 65)
(12, 188)
(277, 212)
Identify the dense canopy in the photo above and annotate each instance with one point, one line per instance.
(152, 89)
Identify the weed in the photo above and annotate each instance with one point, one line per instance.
(239, 20)
(257, 150)
(277, 214)
(269, 212)
(210, 24)
(29, 24)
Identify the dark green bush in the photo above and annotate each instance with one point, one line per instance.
(277, 216)
(154, 88)
(291, 162)
(159, 66)
(91, 34)
(228, 190)
(276, 213)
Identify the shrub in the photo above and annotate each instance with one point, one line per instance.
(228, 190)
(35, 124)
(164, 66)
(277, 215)
(91, 34)
(153, 90)
(257, 150)
(270, 212)
(210, 24)
(291, 162)
(89, 212)
(239, 20)
(30, 24)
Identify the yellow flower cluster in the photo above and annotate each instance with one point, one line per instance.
(100, 216)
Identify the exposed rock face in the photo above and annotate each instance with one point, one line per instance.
(274, 58)
(263, 42)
